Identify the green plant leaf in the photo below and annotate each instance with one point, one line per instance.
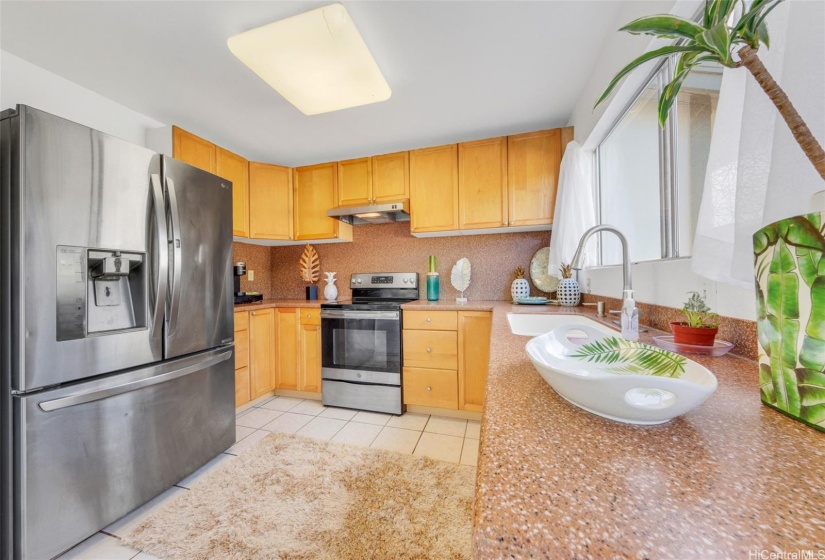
(721, 9)
(717, 40)
(764, 329)
(808, 260)
(648, 56)
(812, 395)
(798, 231)
(664, 25)
(812, 353)
(632, 357)
(766, 384)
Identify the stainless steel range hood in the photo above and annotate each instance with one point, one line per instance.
(373, 213)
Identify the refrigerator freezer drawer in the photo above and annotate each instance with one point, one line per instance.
(91, 453)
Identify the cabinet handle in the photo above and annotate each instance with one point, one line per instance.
(504, 223)
(253, 313)
(309, 316)
(429, 388)
(429, 350)
(429, 320)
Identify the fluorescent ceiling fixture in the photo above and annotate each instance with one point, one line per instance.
(317, 60)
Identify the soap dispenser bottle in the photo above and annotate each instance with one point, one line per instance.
(630, 317)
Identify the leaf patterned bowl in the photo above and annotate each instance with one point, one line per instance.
(607, 375)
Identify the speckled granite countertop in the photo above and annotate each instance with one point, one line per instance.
(278, 303)
(554, 481)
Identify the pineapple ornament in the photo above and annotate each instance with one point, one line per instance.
(520, 288)
(568, 292)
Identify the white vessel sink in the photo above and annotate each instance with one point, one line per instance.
(592, 367)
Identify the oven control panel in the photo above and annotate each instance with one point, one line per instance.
(385, 280)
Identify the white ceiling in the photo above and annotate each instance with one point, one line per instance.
(458, 70)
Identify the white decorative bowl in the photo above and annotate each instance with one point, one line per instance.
(607, 375)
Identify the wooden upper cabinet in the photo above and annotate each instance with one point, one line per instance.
(354, 182)
(533, 161)
(434, 189)
(390, 177)
(482, 184)
(270, 195)
(316, 191)
(236, 169)
(194, 150)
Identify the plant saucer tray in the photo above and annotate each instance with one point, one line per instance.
(719, 348)
(536, 300)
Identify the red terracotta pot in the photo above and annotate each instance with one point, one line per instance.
(696, 336)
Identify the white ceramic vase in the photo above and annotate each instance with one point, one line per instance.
(568, 292)
(520, 289)
(331, 290)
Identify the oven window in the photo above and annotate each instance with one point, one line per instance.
(354, 349)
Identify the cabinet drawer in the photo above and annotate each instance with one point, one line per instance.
(241, 386)
(310, 316)
(431, 387)
(241, 349)
(241, 321)
(431, 320)
(431, 349)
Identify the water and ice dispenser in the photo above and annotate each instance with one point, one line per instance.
(100, 291)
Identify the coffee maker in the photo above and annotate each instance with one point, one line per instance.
(243, 297)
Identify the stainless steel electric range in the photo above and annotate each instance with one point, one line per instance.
(361, 343)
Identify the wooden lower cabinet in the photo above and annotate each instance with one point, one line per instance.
(242, 393)
(261, 352)
(298, 349)
(446, 356)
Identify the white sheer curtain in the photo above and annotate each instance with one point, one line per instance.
(575, 211)
(756, 172)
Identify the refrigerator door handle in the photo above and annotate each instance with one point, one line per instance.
(176, 256)
(90, 396)
(162, 256)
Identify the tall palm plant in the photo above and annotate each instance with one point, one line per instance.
(730, 33)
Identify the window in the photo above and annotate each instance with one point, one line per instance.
(650, 179)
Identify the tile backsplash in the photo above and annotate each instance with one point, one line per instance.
(391, 248)
(258, 258)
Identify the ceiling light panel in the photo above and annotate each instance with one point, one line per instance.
(316, 60)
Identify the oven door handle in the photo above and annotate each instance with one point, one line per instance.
(340, 314)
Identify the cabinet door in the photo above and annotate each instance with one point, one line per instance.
(354, 182)
(193, 150)
(236, 169)
(270, 201)
(261, 351)
(391, 177)
(434, 189)
(316, 191)
(310, 356)
(533, 171)
(482, 183)
(473, 358)
(286, 330)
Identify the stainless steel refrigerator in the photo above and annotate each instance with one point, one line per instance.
(116, 327)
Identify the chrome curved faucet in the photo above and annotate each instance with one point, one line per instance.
(577, 258)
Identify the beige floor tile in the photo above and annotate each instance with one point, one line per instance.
(446, 426)
(469, 453)
(257, 418)
(198, 475)
(313, 408)
(439, 446)
(288, 423)
(371, 418)
(130, 521)
(357, 433)
(409, 421)
(241, 432)
(338, 413)
(321, 428)
(248, 442)
(396, 439)
(284, 404)
(98, 547)
(473, 429)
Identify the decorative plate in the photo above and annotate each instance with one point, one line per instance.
(538, 271)
(719, 348)
(535, 300)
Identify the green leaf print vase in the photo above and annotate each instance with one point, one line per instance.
(789, 263)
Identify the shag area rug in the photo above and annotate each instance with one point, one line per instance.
(297, 498)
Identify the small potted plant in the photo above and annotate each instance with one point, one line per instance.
(700, 326)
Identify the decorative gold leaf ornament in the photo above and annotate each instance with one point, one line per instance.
(519, 272)
(310, 265)
(566, 270)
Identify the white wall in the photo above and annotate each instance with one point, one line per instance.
(658, 282)
(21, 82)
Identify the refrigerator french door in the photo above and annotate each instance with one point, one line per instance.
(117, 367)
